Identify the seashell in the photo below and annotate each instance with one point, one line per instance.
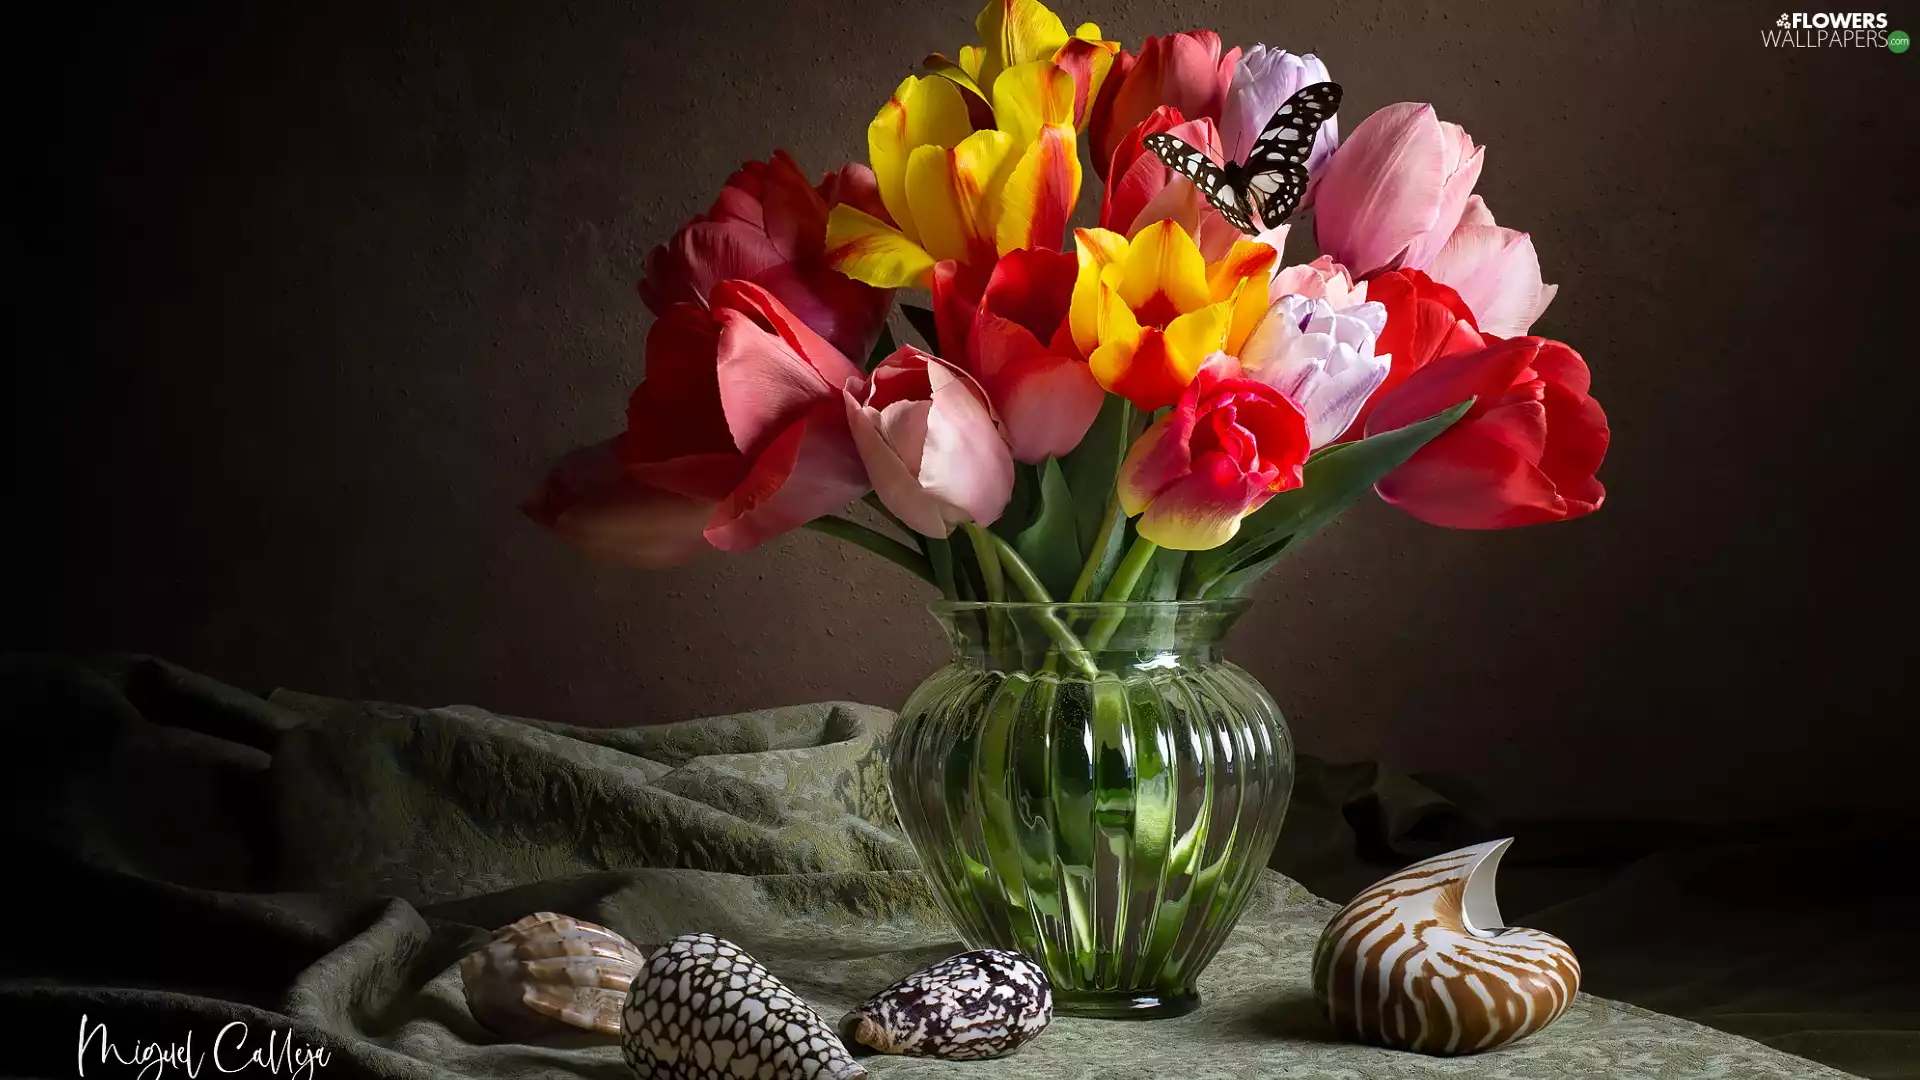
(702, 1009)
(547, 971)
(1420, 961)
(981, 1004)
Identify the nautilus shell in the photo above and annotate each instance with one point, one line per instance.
(1420, 961)
(547, 971)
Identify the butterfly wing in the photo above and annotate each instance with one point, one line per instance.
(1276, 167)
(1194, 164)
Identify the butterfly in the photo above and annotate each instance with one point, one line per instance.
(1260, 192)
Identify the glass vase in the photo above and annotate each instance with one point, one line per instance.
(1095, 787)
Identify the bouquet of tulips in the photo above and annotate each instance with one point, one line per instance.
(1156, 408)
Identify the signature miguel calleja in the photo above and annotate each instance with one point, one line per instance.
(280, 1055)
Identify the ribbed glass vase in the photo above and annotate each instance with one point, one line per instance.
(1103, 807)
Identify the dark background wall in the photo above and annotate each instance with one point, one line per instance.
(325, 287)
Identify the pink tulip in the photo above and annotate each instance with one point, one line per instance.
(1263, 80)
(930, 444)
(1394, 192)
(1014, 340)
(1184, 70)
(741, 408)
(1495, 271)
(769, 226)
(593, 504)
(1321, 279)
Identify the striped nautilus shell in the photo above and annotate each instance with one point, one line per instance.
(1421, 961)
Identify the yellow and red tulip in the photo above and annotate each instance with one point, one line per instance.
(1147, 312)
(1229, 445)
(1017, 32)
(951, 192)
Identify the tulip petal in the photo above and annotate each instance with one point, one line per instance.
(867, 249)
(947, 191)
(676, 408)
(1046, 401)
(1578, 426)
(1461, 162)
(1202, 509)
(1088, 60)
(1031, 97)
(1096, 249)
(1198, 335)
(1014, 32)
(1497, 273)
(1040, 194)
(1033, 287)
(1157, 459)
(1485, 374)
(1382, 190)
(808, 470)
(1471, 477)
(922, 112)
(590, 502)
(1247, 259)
(966, 463)
(1162, 275)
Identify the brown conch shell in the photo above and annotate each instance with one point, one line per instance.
(1420, 961)
(546, 972)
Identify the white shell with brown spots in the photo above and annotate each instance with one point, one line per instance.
(981, 1004)
(546, 972)
(703, 1009)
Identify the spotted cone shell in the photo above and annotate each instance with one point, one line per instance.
(546, 972)
(1421, 961)
(981, 1004)
(703, 1009)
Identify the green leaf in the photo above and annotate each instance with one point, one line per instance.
(1090, 468)
(1023, 503)
(1050, 544)
(882, 348)
(1336, 477)
(922, 321)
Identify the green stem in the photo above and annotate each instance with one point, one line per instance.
(991, 577)
(1125, 578)
(1030, 586)
(877, 542)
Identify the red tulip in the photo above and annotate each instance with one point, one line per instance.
(769, 226)
(1186, 71)
(1228, 446)
(1013, 338)
(1525, 453)
(741, 410)
(1424, 319)
(593, 504)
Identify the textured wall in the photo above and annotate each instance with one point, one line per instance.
(352, 275)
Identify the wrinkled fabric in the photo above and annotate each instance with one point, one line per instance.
(198, 854)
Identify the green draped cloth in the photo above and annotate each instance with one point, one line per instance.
(192, 854)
